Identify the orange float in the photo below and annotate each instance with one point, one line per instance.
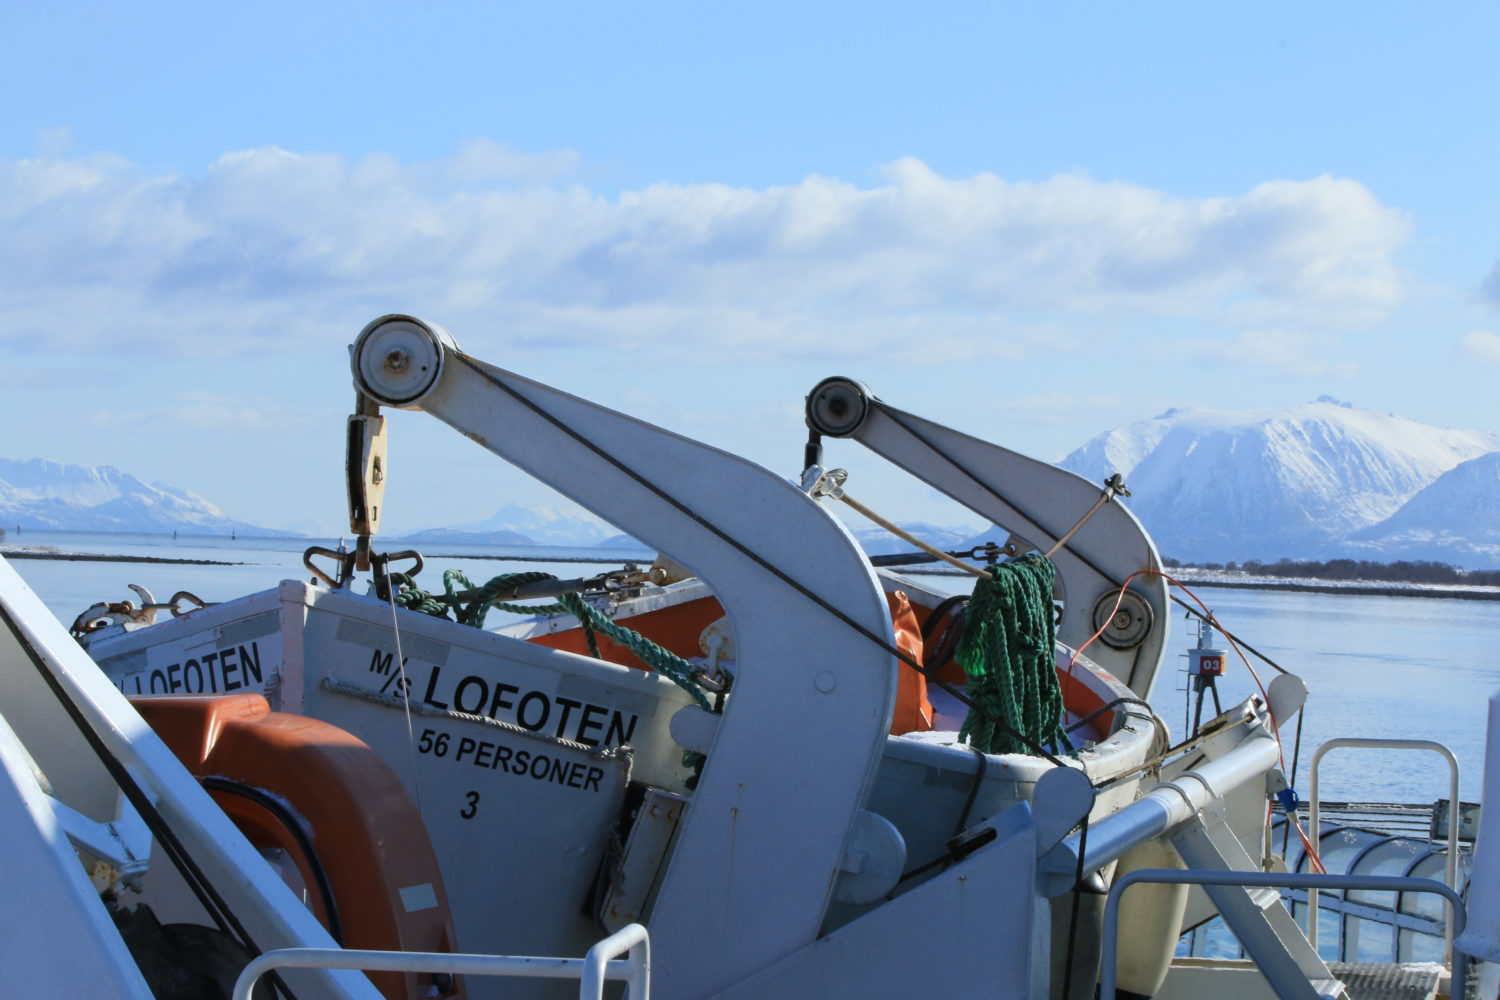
(678, 627)
(340, 814)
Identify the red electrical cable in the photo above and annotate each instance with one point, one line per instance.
(1209, 617)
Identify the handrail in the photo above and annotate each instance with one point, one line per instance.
(1314, 815)
(1273, 880)
(1161, 810)
(601, 963)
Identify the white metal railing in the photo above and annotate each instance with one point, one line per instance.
(601, 963)
(1274, 880)
(1163, 809)
(1314, 815)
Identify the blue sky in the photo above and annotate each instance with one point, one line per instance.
(1032, 222)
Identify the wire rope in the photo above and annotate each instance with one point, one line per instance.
(780, 574)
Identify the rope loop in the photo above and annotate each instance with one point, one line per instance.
(469, 604)
(1008, 652)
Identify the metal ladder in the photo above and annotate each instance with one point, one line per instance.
(1247, 900)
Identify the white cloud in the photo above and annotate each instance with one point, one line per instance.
(55, 141)
(1489, 289)
(268, 248)
(197, 411)
(1481, 346)
(1289, 353)
(1061, 407)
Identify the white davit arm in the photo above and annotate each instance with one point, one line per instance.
(804, 728)
(1038, 503)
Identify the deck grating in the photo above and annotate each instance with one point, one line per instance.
(1388, 981)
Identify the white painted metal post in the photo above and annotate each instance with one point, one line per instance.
(1379, 744)
(591, 971)
(631, 939)
(1482, 939)
(1167, 806)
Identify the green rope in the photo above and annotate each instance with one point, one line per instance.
(656, 657)
(409, 596)
(1007, 650)
(480, 599)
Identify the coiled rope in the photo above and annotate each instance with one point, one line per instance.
(470, 609)
(1008, 652)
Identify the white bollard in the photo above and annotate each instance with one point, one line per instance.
(1482, 936)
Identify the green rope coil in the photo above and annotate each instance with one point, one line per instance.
(658, 658)
(472, 611)
(1008, 651)
(409, 596)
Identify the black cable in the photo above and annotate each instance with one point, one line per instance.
(974, 786)
(936, 657)
(1052, 535)
(304, 843)
(208, 897)
(1297, 746)
(948, 856)
(936, 616)
(1286, 833)
(744, 550)
(1083, 844)
(922, 869)
(904, 559)
(1191, 741)
(1128, 700)
(1198, 614)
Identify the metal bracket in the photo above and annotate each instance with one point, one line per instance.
(380, 566)
(364, 468)
(345, 562)
(120, 850)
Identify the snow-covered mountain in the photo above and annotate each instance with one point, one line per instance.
(514, 524)
(1262, 484)
(51, 496)
(1455, 520)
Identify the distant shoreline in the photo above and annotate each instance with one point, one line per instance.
(535, 559)
(1373, 588)
(45, 552)
(51, 553)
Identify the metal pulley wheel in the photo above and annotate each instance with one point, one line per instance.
(837, 406)
(1128, 624)
(397, 359)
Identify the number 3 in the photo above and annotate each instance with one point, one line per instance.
(468, 811)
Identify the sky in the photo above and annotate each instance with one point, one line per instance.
(1031, 222)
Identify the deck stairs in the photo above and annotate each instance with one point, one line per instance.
(1267, 931)
(1282, 962)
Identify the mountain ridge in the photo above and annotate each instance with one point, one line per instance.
(39, 494)
(1321, 480)
(1217, 485)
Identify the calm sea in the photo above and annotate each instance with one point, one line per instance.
(1375, 666)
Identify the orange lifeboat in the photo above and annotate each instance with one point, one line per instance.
(337, 811)
(678, 627)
